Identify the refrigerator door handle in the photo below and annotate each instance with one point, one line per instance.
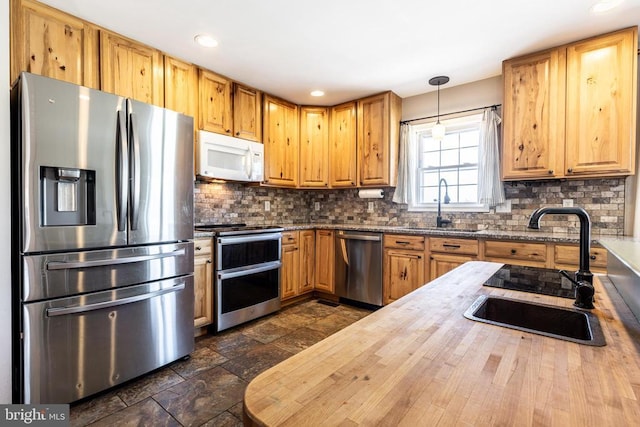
(61, 265)
(52, 312)
(134, 169)
(122, 165)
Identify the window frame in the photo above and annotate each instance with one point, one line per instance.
(456, 124)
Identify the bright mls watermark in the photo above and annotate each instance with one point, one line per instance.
(34, 415)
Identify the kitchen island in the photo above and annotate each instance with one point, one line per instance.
(418, 361)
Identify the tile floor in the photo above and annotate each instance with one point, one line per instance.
(207, 389)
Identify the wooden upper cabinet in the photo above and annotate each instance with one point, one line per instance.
(215, 103)
(378, 139)
(314, 147)
(247, 113)
(343, 145)
(131, 69)
(601, 105)
(570, 112)
(181, 87)
(533, 116)
(50, 43)
(281, 150)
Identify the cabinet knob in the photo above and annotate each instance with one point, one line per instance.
(513, 251)
(550, 171)
(570, 170)
(227, 130)
(237, 133)
(208, 261)
(592, 257)
(198, 248)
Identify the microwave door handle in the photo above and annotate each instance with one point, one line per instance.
(134, 168)
(122, 160)
(249, 162)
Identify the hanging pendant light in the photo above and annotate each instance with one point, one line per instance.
(438, 130)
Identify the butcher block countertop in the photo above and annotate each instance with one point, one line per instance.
(418, 362)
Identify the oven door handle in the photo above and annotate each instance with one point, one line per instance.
(62, 311)
(63, 265)
(230, 240)
(245, 271)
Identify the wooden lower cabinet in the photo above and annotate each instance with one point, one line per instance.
(290, 270)
(203, 283)
(518, 253)
(404, 266)
(307, 261)
(448, 253)
(298, 256)
(566, 257)
(325, 261)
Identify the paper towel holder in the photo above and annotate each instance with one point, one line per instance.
(371, 193)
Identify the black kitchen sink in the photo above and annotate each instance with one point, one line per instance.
(557, 322)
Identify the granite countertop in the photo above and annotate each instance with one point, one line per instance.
(524, 235)
(418, 361)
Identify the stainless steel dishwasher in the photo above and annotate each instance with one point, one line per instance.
(358, 266)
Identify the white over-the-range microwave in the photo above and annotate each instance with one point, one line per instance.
(227, 158)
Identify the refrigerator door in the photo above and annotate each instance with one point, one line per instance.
(66, 179)
(161, 174)
(78, 346)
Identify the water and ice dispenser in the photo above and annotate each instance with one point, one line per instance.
(67, 196)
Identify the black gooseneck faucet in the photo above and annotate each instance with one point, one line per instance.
(583, 278)
(439, 220)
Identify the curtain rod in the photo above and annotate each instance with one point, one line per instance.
(493, 107)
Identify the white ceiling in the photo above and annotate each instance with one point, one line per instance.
(351, 48)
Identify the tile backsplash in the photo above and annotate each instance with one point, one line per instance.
(227, 203)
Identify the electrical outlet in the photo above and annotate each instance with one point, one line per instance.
(567, 203)
(316, 206)
(267, 206)
(370, 207)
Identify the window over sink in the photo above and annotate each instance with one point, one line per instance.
(455, 159)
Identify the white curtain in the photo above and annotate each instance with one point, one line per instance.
(490, 189)
(404, 187)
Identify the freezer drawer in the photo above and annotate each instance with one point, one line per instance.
(66, 274)
(78, 346)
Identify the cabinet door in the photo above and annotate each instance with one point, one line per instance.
(325, 260)
(290, 272)
(533, 116)
(377, 147)
(601, 105)
(247, 113)
(181, 87)
(280, 142)
(307, 261)
(314, 147)
(51, 43)
(342, 146)
(130, 69)
(404, 273)
(443, 263)
(203, 283)
(215, 103)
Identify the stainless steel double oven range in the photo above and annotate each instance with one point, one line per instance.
(247, 272)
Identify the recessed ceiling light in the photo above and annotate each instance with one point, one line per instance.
(603, 6)
(317, 93)
(205, 40)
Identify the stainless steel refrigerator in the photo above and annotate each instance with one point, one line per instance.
(102, 238)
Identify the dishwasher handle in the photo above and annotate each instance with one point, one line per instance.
(367, 237)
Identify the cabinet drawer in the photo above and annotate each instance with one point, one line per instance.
(290, 238)
(404, 242)
(570, 255)
(202, 247)
(516, 250)
(458, 246)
